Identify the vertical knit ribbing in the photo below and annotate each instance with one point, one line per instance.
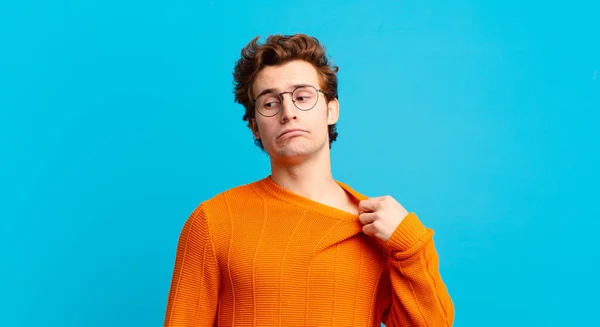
(259, 255)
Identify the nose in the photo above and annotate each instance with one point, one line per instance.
(288, 108)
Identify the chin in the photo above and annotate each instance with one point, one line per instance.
(294, 150)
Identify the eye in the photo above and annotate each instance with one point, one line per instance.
(303, 97)
(271, 105)
(268, 101)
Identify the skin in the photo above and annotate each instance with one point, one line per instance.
(301, 162)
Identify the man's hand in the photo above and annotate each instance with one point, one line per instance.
(381, 216)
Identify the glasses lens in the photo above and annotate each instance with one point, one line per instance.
(268, 104)
(305, 97)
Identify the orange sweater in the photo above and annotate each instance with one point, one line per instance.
(260, 255)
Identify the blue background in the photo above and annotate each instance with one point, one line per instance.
(117, 119)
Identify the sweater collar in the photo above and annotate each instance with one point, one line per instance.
(268, 186)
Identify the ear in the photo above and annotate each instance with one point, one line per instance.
(254, 128)
(333, 111)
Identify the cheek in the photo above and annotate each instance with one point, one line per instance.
(265, 128)
(318, 122)
(324, 116)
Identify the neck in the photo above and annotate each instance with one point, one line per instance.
(310, 178)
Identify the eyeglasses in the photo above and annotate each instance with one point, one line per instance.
(304, 97)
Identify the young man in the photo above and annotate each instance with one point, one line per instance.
(298, 248)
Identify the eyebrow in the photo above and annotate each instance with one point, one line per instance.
(273, 90)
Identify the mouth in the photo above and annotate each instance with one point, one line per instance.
(291, 132)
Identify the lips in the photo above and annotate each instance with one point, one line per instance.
(290, 131)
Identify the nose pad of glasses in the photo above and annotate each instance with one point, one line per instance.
(282, 98)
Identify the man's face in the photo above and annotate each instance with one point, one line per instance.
(312, 125)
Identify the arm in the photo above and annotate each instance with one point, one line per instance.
(419, 296)
(194, 292)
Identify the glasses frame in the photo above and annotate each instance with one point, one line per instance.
(280, 96)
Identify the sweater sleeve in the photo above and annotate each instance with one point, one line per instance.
(419, 295)
(194, 291)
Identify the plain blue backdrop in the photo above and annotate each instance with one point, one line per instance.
(117, 119)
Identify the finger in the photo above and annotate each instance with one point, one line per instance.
(369, 205)
(369, 229)
(368, 217)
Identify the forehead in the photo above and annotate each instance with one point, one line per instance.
(282, 77)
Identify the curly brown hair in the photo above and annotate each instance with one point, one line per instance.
(277, 50)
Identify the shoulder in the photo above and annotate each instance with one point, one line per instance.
(213, 215)
(222, 202)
